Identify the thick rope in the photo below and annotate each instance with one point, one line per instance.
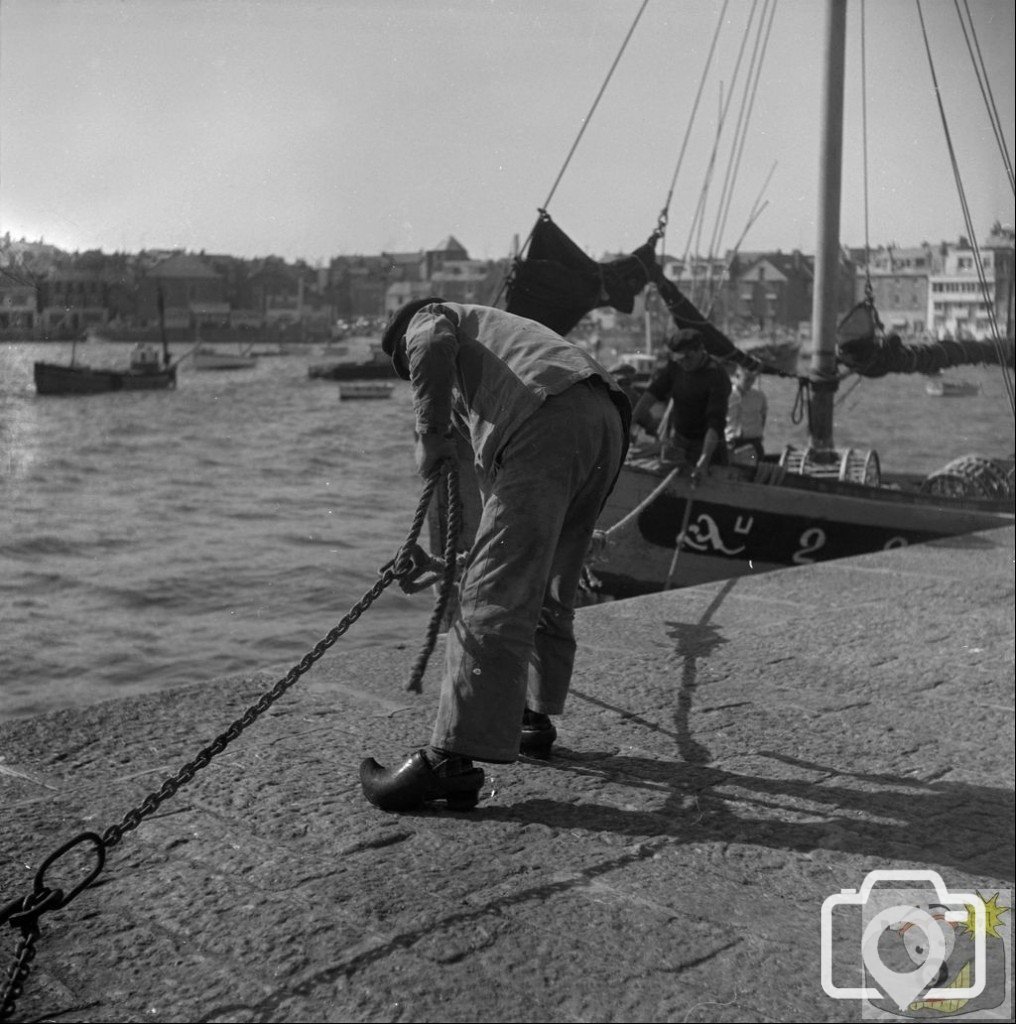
(453, 526)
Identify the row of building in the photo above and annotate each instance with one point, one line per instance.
(923, 291)
(930, 291)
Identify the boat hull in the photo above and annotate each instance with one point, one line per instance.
(379, 370)
(55, 379)
(737, 526)
(951, 389)
(210, 360)
(353, 390)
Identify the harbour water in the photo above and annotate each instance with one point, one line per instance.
(154, 539)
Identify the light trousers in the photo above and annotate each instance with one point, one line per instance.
(512, 640)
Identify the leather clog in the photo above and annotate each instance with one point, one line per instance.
(538, 735)
(414, 784)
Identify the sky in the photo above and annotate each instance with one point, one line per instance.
(315, 128)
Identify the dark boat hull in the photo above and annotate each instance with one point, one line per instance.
(738, 527)
(379, 370)
(56, 379)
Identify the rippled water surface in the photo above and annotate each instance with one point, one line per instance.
(150, 540)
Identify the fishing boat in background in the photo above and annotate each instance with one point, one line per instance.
(145, 372)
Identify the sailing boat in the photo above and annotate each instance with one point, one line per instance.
(817, 504)
(811, 505)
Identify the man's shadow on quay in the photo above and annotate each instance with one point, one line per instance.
(881, 815)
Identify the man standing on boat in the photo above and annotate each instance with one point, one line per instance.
(549, 428)
(700, 390)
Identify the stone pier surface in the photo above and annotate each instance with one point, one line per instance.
(733, 754)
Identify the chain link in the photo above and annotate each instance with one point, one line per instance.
(19, 970)
(25, 913)
(151, 803)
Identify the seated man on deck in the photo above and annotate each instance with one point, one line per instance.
(699, 389)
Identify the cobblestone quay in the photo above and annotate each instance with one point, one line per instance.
(732, 755)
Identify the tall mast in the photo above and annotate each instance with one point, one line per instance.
(827, 250)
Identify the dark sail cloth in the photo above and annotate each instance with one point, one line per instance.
(685, 315)
(863, 350)
(557, 283)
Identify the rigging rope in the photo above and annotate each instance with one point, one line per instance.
(869, 291)
(968, 221)
(748, 98)
(571, 152)
(602, 537)
(599, 95)
(989, 99)
(665, 211)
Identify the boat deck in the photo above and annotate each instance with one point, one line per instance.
(733, 754)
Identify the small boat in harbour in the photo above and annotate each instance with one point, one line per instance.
(376, 366)
(209, 358)
(351, 390)
(938, 387)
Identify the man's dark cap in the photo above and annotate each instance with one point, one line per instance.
(684, 339)
(399, 323)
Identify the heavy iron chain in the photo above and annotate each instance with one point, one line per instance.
(25, 912)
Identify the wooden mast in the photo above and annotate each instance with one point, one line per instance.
(827, 250)
(161, 302)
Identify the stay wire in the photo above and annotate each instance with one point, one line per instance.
(574, 146)
(721, 122)
(968, 221)
(592, 109)
(748, 97)
(977, 59)
(869, 292)
(665, 211)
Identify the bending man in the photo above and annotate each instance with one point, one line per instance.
(549, 430)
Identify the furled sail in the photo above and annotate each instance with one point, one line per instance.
(862, 349)
(556, 283)
(684, 314)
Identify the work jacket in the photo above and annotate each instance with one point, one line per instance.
(485, 371)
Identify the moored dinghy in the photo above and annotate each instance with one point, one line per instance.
(351, 390)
